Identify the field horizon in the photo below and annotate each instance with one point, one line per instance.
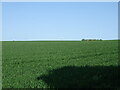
(60, 45)
(62, 40)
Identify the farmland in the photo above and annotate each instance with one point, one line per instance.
(56, 64)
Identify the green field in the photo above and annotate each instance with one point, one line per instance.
(56, 64)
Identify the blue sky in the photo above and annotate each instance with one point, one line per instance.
(60, 20)
(0, 22)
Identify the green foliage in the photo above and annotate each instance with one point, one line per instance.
(24, 62)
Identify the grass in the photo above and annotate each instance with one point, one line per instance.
(0, 65)
(56, 64)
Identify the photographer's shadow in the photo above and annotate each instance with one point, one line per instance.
(82, 77)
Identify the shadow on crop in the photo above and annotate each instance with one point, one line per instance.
(82, 77)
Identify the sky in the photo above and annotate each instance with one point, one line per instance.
(24, 21)
(0, 22)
